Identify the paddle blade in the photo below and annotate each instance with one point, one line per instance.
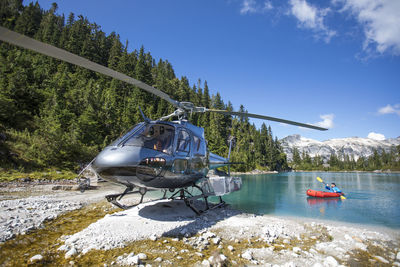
(342, 197)
(319, 179)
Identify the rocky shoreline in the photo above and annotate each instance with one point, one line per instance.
(167, 233)
(227, 236)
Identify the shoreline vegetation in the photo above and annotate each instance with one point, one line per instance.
(257, 172)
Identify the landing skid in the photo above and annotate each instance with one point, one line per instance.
(189, 199)
(181, 194)
(114, 198)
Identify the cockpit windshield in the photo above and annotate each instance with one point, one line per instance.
(121, 138)
(159, 137)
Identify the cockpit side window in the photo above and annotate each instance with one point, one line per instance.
(159, 137)
(183, 141)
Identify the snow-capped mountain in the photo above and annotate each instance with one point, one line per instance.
(352, 146)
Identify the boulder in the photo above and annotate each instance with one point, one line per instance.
(330, 261)
(36, 258)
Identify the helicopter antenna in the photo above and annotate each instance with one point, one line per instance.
(146, 120)
(230, 140)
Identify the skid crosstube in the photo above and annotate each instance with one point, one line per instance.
(189, 199)
(113, 199)
(181, 194)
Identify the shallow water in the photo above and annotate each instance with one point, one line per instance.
(372, 198)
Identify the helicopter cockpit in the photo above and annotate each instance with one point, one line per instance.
(158, 137)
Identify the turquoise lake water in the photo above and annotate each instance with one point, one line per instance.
(372, 198)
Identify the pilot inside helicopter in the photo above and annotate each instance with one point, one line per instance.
(159, 137)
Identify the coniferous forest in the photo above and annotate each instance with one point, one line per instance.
(57, 115)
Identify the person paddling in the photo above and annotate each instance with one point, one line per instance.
(333, 188)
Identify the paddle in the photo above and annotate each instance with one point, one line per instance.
(322, 181)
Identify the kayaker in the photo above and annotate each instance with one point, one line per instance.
(333, 188)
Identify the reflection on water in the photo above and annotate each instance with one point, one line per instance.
(371, 198)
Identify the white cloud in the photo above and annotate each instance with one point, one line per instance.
(380, 20)
(327, 121)
(251, 6)
(311, 17)
(389, 109)
(268, 5)
(376, 136)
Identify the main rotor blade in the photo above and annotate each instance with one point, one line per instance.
(244, 114)
(17, 39)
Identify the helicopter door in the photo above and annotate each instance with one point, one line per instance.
(198, 160)
(182, 152)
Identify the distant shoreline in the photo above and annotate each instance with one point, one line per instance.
(256, 172)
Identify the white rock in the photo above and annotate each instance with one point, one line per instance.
(317, 264)
(85, 250)
(199, 254)
(36, 258)
(159, 259)
(347, 237)
(208, 235)
(230, 248)
(361, 246)
(153, 237)
(179, 258)
(296, 249)
(247, 255)
(396, 263)
(132, 260)
(398, 256)
(63, 247)
(205, 263)
(313, 251)
(379, 258)
(142, 256)
(330, 261)
(216, 240)
(70, 253)
(289, 264)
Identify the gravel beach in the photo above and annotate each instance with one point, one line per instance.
(166, 233)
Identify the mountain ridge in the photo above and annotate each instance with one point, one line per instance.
(351, 146)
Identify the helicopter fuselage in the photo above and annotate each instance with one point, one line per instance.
(158, 155)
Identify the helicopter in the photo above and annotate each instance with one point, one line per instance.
(156, 154)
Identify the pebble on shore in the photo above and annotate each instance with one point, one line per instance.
(36, 258)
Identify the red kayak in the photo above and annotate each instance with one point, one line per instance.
(314, 193)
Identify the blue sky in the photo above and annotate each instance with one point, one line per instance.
(332, 63)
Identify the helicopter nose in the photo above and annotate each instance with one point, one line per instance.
(116, 157)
